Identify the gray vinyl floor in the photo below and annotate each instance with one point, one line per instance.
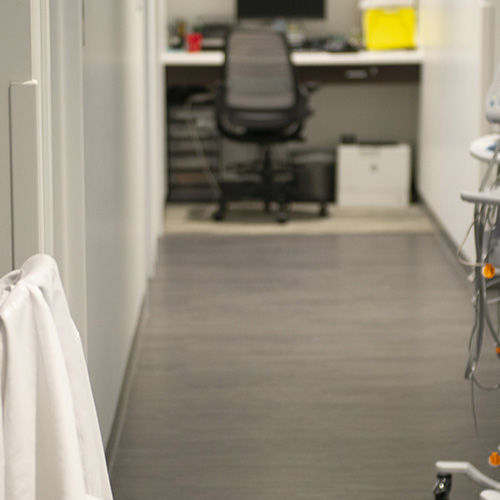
(302, 367)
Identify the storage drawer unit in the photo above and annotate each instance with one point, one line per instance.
(193, 153)
(373, 175)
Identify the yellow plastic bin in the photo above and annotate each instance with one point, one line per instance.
(389, 24)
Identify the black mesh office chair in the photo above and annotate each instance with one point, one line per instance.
(259, 102)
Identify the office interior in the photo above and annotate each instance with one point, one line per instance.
(375, 112)
(94, 198)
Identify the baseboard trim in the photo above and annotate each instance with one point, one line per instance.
(120, 413)
(450, 248)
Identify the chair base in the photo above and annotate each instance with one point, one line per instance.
(281, 215)
(270, 186)
(282, 194)
(271, 182)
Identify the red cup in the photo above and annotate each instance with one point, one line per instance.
(193, 42)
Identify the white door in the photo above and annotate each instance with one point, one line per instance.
(41, 140)
(25, 140)
(18, 124)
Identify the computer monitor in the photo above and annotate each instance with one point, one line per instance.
(287, 9)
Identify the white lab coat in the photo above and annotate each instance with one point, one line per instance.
(50, 443)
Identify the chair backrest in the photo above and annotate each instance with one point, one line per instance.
(258, 72)
(260, 93)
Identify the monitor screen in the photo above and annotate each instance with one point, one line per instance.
(288, 9)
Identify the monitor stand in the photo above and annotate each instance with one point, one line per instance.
(292, 30)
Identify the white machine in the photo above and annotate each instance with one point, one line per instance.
(486, 226)
(493, 100)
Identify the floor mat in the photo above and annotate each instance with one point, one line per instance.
(250, 218)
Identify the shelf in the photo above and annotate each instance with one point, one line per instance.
(194, 152)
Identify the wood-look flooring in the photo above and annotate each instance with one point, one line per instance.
(322, 367)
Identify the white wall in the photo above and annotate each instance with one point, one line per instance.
(452, 110)
(102, 177)
(371, 112)
(115, 185)
(156, 175)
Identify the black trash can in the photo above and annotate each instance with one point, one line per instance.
(314, 175)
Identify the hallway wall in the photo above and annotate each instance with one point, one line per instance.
(115, 186)
(457, 71)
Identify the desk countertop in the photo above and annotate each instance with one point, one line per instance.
(216, 58)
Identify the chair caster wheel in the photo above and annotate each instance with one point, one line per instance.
(282, 217)
(219, 215)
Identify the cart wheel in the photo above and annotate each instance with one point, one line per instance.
(443, 487)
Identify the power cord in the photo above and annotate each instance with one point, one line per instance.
(202, 98)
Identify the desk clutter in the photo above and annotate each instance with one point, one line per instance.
(385, 25)
(213, 37)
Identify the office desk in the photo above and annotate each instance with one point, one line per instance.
(205, 67)
(188, 182)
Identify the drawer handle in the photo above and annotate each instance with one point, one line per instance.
(356, 74)
(361, 74)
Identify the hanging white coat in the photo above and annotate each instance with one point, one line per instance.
(50, 442)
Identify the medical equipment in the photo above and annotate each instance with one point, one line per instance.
(492, 100)
(486, 278)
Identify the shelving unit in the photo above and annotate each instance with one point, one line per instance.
(193, 152)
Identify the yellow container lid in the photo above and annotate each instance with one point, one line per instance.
(385, 4)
